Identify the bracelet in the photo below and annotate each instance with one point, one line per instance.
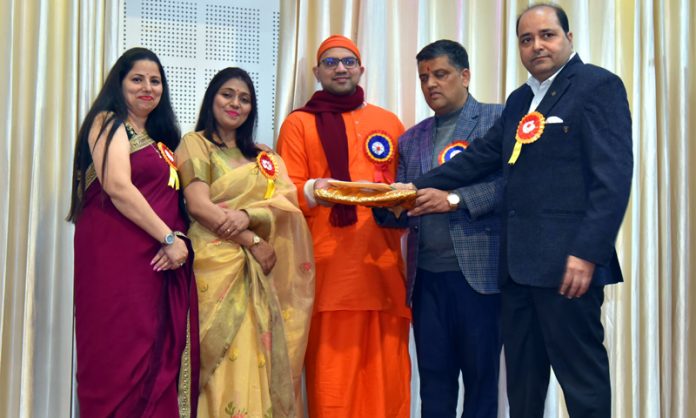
(247, 214)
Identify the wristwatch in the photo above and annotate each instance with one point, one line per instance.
(255, 241)
(453, 199)
(168, 239)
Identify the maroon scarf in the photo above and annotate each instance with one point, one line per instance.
(327, 109)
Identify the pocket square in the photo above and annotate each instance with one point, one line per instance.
(554, 119)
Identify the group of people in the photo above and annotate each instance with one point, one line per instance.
(161, 333)
(209, 278)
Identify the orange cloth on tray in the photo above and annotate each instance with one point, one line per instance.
(357, 365)
(358, 267)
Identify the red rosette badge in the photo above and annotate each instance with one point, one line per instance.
(379, 149)
(451, 150)
(269, 168)
(168, 156)
(529, 130)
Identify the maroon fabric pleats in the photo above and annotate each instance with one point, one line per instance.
(130, 320)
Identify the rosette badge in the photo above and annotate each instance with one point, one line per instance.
(168, 156)
(529, 130)
(269, 168)
(451, 150)
(379, 149)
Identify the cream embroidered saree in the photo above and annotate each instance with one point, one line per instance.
(253, 327)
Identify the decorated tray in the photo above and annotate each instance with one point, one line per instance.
(360, 185)
(365, 194)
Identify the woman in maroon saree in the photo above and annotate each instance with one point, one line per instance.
(136, 317)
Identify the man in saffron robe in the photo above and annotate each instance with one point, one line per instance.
(357, 361)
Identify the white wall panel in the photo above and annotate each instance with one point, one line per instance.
(197, 38)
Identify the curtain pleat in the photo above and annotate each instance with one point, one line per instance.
(51, 67)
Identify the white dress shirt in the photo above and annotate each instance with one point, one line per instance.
(540, 88)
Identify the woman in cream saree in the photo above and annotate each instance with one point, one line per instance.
(253, 262)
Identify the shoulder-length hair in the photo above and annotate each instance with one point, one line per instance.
(161, 123)
(206, 119)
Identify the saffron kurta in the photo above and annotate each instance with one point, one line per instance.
(359, 272)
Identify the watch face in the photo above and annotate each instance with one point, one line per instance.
(453, 199)
(169, 239)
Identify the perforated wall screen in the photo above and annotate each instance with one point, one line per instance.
(195, 39)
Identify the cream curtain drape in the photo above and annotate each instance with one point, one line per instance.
(54, 55)
(51, 68)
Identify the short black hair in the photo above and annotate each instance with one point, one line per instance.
(454, 50)
(560, 14)
(206, 119)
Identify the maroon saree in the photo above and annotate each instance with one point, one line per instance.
(132, 324)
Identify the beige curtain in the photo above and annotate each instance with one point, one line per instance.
(53, 58)
(51, 66)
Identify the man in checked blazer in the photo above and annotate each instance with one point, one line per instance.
(567, 187)
(452, 258)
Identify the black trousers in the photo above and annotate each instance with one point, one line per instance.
(542, 329)
(456, 330)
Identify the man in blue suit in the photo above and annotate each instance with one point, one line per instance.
(452, 257)
(564, 144)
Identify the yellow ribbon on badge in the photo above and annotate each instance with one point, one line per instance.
(270, 188)
(268, 168)
(173, 179)
(169, 158)
(516, 150)
(529, 130)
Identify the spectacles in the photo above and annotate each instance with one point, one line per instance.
(348, 62)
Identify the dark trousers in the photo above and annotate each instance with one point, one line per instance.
(456, 330)
(542, 329)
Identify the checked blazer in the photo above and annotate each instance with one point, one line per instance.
(475, 226)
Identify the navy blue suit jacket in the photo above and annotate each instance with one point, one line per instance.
(475, 226)
(568, 191)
